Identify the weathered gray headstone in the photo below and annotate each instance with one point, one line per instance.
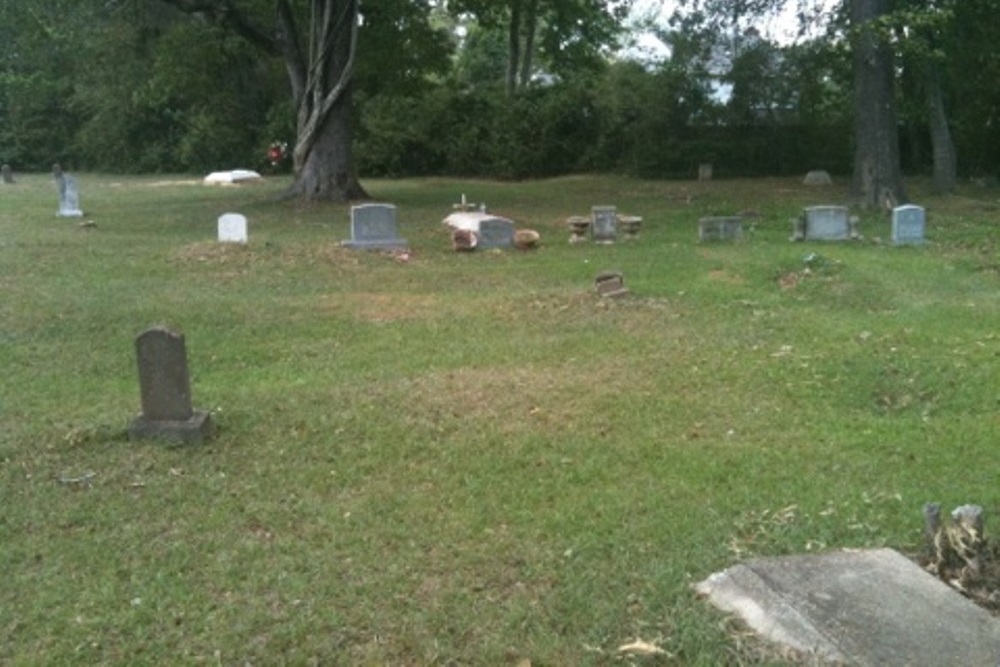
(817, 177)
(720, 228)
(872, 608)
(610, 283)
(908, 224)
(604, 226)
(232, 228)
(824, 223)
(491, 231)
(373, 227)
(705, 171)
(8, 173)
(69, 197)
(165, 391)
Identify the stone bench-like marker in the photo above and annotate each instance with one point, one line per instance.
(165, 390)
(908, 224)
(825, 223)
(728, 228)
(232, 228)
(491, 231)
(873, 608)
(373, 227)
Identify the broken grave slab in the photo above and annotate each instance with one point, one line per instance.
(873, 607)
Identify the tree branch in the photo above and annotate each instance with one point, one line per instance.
(224, 13)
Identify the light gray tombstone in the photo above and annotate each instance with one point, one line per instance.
(824, 223)
(908, 224)
(495, 233)
(705, 171)
(69, 197)
(8, 174)
(604, 228)
(720, 228)
(165, 390)
(232, 228)
(817, 177)
(373, 227)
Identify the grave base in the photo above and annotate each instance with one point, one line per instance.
(193, 431)
(389, 244)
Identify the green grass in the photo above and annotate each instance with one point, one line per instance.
(469, 458)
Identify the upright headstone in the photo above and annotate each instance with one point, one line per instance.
(232, 228)
(373, 227)
(824, 223)
(69, 196)
(610, 283)
(720, 228)
(165, 390)
(8, 174)
(908, 224)
(604, 227)
(496, 232)
(705, 171)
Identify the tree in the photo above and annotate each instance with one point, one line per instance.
(877, 180)
(320, 61)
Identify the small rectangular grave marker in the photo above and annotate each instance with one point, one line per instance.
(705, 171)
(373, 227)
(610, 283)
(824, 223)
(165, 391)
(908, 224)
(496, 233)
(605, 224)
(8, 174)
(232, 228)
(69, 196)
(720, 228)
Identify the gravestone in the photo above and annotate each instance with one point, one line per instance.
(872, 608)
(908, 224)
(824, 223)
(720, 228)
(69, 196)
(165, 390)
(604, 226)
(491, 231)
(817, 177)
(8, 174)
(610, 284)
(232, 228)
(705, 171)
(373, 227)
(233, 177)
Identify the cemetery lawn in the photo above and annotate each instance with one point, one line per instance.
(470, 458)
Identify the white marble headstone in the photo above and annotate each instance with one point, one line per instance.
(232, 228)
(908, 223)
(69, 197)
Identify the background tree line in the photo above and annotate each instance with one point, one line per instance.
(508, 89)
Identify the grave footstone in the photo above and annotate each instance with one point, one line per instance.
(373, 227)
(825, 223)
(232, 228)
(908, 224)
(8, 174)
(604, 226)
(165, 391)
(872, 608)
(69, 196)
(728, 228)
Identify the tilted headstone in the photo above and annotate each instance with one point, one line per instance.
(165, 390)
(610, 283)
(908, 224)
(69, 197)
(373, 227)
(720, 228)
(824, 223)
(232, 228)
(604, 228)
(8, 174)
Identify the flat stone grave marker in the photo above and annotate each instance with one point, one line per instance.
(373, 227)
(8, 174)
(69, 197)
(728, 228)
(232, 228)
(872, 608)
(165, 390)
(824, 223)
(604, 228)
(817, 177)
(233, 177)
(491, 231)
(908, 224)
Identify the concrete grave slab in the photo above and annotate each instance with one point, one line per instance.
(867, 608)
(232, 177)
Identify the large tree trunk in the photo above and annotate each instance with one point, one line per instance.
(877, 181)
(513, 46)
(945, 160)
(530, 28)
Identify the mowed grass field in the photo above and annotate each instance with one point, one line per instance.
(470, 458)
